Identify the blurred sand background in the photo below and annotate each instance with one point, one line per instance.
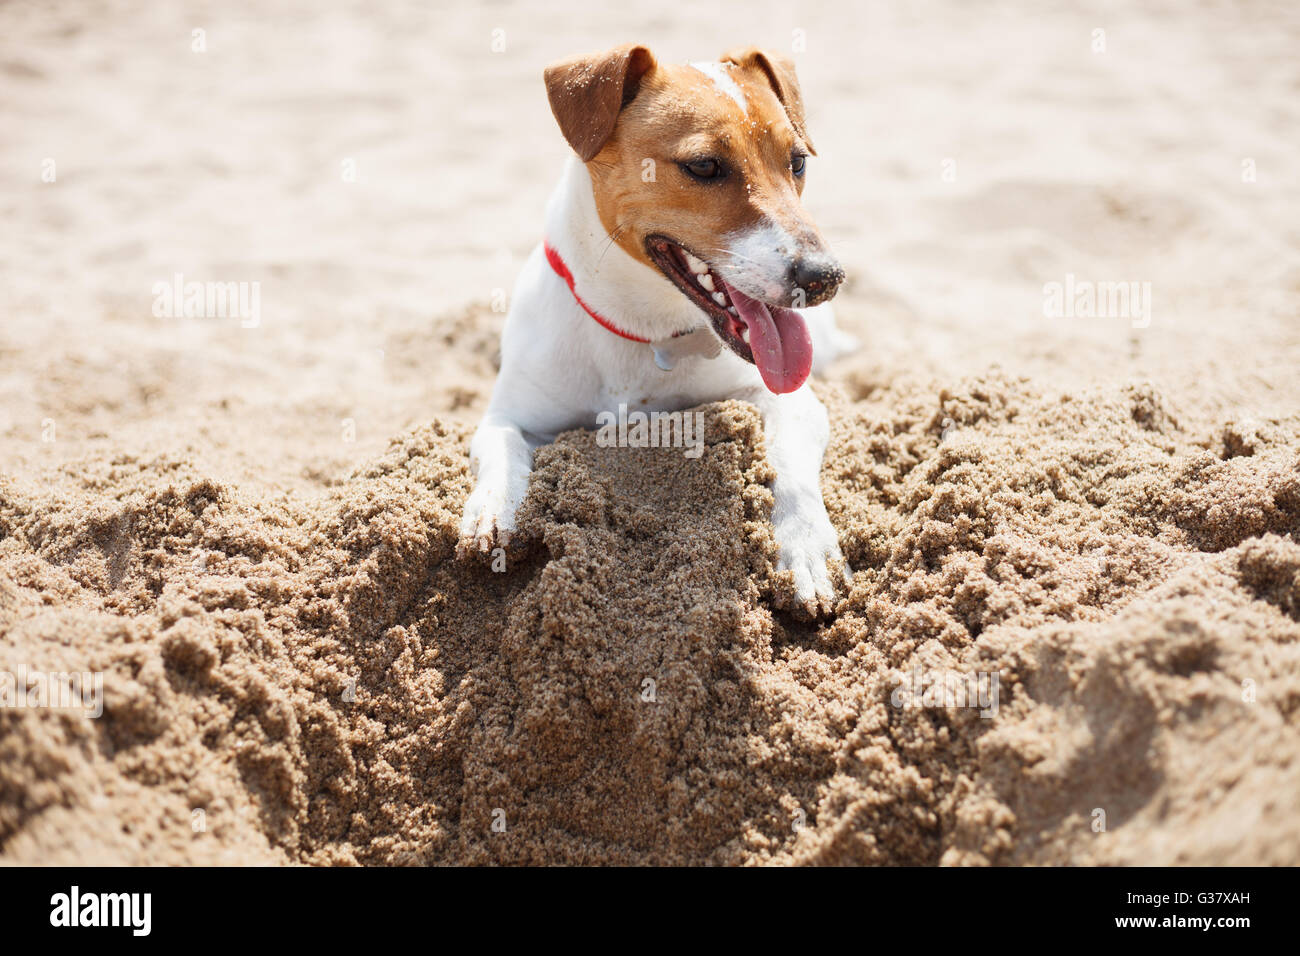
(237, 524)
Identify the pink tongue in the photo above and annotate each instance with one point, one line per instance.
(779, 340)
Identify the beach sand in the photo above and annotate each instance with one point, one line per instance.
(250, 531)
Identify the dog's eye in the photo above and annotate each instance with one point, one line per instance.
(797, 163)
(703, 168)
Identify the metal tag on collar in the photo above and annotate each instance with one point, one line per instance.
(699, 341)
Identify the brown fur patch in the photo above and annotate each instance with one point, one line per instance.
(678, 115)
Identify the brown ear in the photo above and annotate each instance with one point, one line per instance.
(780, 74)
(588, 92)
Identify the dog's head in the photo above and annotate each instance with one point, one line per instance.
(698, 171)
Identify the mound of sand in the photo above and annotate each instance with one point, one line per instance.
(248, 529)
(323, 679)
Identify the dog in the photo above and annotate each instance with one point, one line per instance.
(678, 267)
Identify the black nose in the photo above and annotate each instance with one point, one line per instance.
(818, 277)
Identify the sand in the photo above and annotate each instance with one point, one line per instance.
(250, 532)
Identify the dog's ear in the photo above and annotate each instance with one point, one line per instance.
(780, 74)
(588, 92)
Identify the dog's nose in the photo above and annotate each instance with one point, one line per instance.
(818, 276)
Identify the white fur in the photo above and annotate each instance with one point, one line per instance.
(721, 77)
(560, 369)
(756, 260)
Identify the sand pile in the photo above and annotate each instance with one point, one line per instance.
(249, 528)
(321, 677)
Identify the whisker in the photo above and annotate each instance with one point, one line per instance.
(728, 253)
(610, 239)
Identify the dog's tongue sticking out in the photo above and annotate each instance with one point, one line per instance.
(779, 340)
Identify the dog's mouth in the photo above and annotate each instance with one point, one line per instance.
(773, 338)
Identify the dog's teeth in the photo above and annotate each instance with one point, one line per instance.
(744, 335)
(732, 310)
(719, 298)
(697, 265)
(706, 280)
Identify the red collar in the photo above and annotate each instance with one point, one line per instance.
(563, 272)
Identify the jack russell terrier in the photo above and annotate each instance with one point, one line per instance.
(678, 268)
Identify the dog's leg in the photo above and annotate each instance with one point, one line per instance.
(502, 459)
(796, 431)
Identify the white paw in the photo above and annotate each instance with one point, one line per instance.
(810, 550)
(489, 519)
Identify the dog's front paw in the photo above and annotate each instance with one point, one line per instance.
(489, 519)
(810, 550)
